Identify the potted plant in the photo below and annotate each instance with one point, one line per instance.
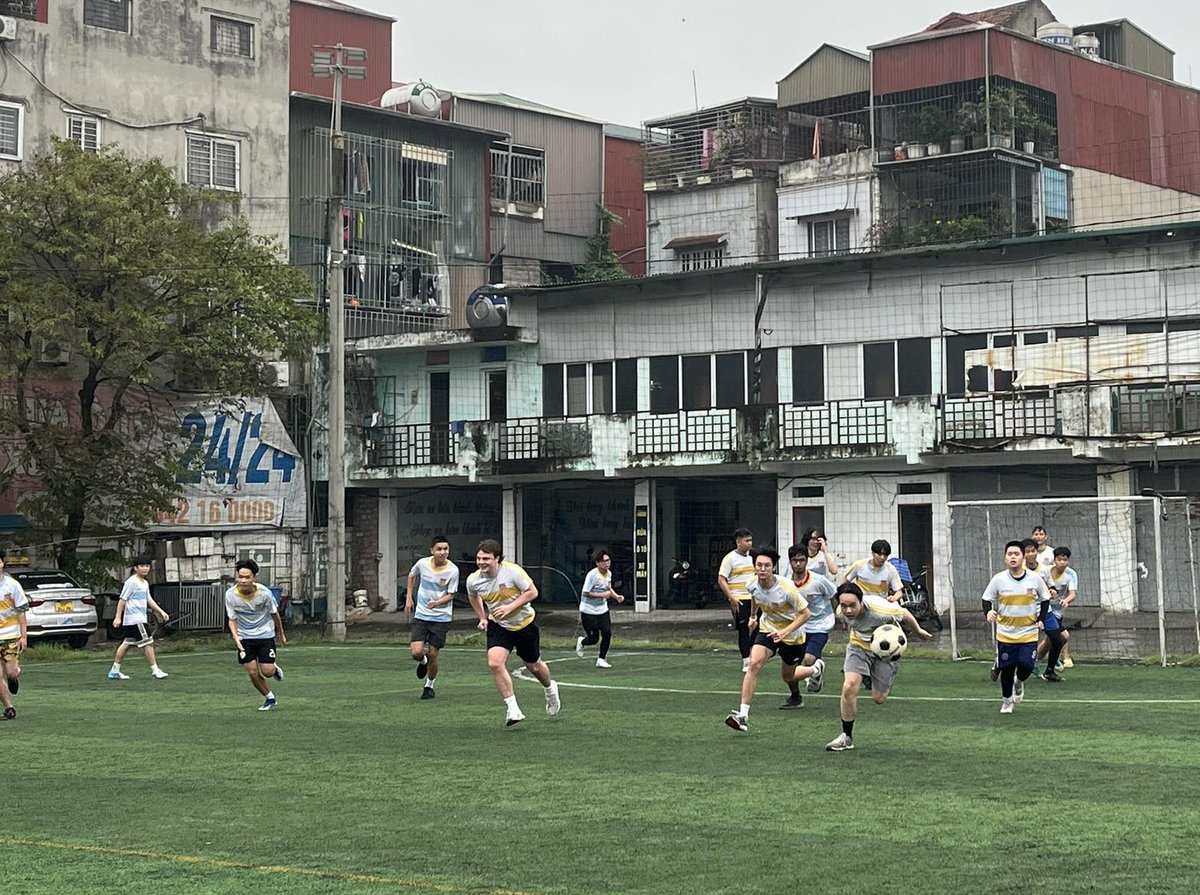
(933, 127)
(970, 123)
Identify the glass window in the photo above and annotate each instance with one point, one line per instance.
(552, 390)
(664, 384)
(12, 118)
(626, 386)
(576, 389)
(808, 374)
(212, 162)
(956, 365)
(84, 131)
(110, 14)
(602, 388)
(879, 370)
(697, 382)
(915, 368)
(731, 379)
(232, 38)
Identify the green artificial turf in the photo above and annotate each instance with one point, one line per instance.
(354, 785)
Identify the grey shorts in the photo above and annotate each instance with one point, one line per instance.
(433, 633)
(881, 671)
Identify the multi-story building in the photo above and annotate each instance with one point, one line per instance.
(856, 393)
(710, 186)
(976, 127)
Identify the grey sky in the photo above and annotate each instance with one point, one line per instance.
(628, 60)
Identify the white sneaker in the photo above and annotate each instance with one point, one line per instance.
(513, 716)
(579, 647)
(736, 721)
(745, 665)
(603, 663)
(553, 706)
(1006, 707)
(841, 743)
(817, 681)
(1018, 692)
(117, 676)
(159, 673)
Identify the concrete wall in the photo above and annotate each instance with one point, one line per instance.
(733, 209)
(151, 86)
(1102, 200)
(818, 189)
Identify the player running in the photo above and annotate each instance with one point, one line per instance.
(435, 580)
(862, 614)
(778, 612)
(254, 622)
(1017, 601)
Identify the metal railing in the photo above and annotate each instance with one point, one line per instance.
(1173, 407)
(984, 417)
(835, 423)
(193, 607)
(685, 431)
(421, 444)
(540, 439)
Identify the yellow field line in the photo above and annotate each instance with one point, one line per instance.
(201, 861)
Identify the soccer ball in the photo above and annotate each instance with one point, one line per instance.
(888, 642)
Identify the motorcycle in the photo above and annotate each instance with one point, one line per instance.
(916, 599)
(679, 588)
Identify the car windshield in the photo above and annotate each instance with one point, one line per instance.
(44, 580)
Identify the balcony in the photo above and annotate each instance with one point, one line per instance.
(834, 424)
(1168, 408)
(1000, 417)
(539, 439)
(685, 432)
(422, 444)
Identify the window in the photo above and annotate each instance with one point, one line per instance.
(958, 377)
(626, 390)
(212, 162)
(731, 379)
(12, 125)
(577, 389)
(879, 370)
(602, 388)
(518, 174)
(83, 130)
(702, 258)
(664, 384)
(697, 382)
(265, 557)
(232, 38)
(552, 390)
(829, 237)
(423, 176)
(808, 374)
(110, 14)
(497, 396)
(914, 370)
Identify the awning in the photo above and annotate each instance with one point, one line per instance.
(691, 242)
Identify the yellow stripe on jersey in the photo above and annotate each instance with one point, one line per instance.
(738, 571)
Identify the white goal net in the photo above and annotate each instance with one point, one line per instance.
(1135, 558)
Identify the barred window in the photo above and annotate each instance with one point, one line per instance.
(213, 162)
(232, 37)
(83, 131)
(12, 120)
(114, 15)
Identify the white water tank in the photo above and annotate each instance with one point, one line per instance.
(1087, 44)
(1057, 34)
(418, 98)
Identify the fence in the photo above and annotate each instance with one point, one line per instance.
(193, 607)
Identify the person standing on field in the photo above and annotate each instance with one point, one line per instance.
(593, 608)
(875, 575)
(820, 560)
(1016, 601)
(14, 638)
(737, 570)
(131, 618)
(255, 624)
(500, 593)
(435, 580)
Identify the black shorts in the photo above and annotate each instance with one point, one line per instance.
(527, 642)
(136, 635)
(260, 651)
(789, 653)
(433, 633)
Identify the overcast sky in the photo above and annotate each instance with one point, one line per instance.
(628, 60)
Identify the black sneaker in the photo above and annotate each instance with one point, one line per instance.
(1053, 676)
(794, 701)
(14, 684)
(994, 674)
(10, 713)
(427, 693)
(422, 670)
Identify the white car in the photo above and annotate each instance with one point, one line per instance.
(59, 608)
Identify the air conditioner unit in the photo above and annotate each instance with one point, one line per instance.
(53, 354)
(277, 374)
(8, 28)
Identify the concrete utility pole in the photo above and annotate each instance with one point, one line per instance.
(338, 62)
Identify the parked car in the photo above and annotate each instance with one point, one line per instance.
(59, 607)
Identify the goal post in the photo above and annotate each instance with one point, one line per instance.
(1135, 558)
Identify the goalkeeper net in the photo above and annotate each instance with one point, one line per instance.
(1135, 558)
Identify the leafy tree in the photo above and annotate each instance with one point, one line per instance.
(138, 277)
(602, 262)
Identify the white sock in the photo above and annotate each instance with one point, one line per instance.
(155, 667)
(116, 666)
(745, 710)
(511, 702)
(553, 685)
(270, 694)
(430, 682)
(424, 660)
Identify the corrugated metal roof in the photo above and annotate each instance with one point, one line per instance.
(435, 122)
(667, 120)
(997, 15)
(829, 71)
(704, 239)
(623, 132)
(346, 7)
(527, 105)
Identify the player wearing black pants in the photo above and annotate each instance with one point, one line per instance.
(737, 571)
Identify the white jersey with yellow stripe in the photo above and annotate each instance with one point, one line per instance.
(509, 582)
(738, 570)
(1016, 602)
(779, 604)
(13, 603)
(880, 581)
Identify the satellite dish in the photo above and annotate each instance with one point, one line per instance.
(487, 308)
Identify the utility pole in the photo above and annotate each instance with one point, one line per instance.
(337, 62)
